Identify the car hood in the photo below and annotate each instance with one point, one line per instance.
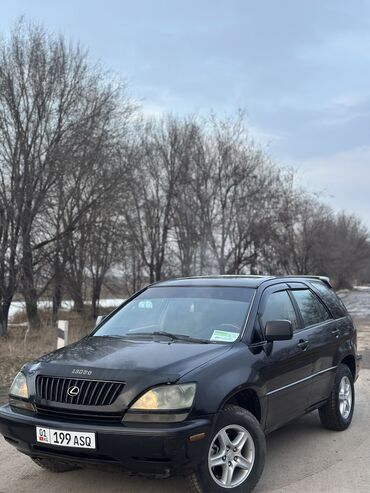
(107, 358)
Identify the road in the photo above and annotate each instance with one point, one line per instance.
(358, 304)
(300, 457)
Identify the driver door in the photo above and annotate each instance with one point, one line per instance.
(287, 365)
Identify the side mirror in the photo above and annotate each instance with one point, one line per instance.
(99, 319)
(278, 330)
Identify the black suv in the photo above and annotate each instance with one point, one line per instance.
(187, 376)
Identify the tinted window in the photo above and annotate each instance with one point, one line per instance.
(213, 313)
(279, 307)
(312, 310)
(331, 300)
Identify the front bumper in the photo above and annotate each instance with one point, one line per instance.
(142, 449)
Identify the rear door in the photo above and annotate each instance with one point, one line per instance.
(322, 334)
(287, 366)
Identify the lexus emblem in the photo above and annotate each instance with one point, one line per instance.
(73, 391)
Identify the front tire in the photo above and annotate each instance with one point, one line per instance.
(54, 465)
(337, 413)
(235, 455)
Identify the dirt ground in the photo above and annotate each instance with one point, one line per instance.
(301, 457)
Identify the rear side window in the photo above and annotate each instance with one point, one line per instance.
(279, 307)
(312, 310)
(330, 298)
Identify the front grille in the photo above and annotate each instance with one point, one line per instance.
(90, 392)
(72, 415)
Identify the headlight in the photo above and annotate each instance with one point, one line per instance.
(166, 398)
(164, 404)
(19, 387)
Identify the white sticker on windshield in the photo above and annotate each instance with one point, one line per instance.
(224, 336)
(146, 304)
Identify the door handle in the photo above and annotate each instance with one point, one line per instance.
(336, 333)
(303, 344)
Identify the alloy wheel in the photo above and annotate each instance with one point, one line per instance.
(231, 456)
(345, 397)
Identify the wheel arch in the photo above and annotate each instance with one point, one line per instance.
(350, 361)
(248, 399)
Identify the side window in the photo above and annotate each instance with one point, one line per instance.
(312, 310)
(331, 300)
(279, 307)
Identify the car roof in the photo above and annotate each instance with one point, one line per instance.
(234, 280)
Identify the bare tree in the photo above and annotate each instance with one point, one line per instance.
(300, 222)
(188, 232)
(155, 170)
(8, 251)
(235, 182)
(50, 102)
(343, 250)
(102, 250)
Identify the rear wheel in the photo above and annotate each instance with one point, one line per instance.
(338, 411)
(54, 465)
(235, 457)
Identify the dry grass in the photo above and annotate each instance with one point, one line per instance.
(22, 345)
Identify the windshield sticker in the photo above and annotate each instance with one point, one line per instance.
(146, 304)
(224, 336)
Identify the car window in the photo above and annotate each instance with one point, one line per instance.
(330, 298)
(279, 307)
(312, 310)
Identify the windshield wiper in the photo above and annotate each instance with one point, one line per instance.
(112, 336)
(174, 337)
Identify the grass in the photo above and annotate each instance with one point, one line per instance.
(21, 345)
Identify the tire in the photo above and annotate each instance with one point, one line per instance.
(53, 465)
(236, 422)
(335, 414)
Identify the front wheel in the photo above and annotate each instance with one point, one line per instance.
(337, 413)
(235, 457)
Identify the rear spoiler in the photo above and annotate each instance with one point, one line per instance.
(324, 279)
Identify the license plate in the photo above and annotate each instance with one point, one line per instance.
(63, 438)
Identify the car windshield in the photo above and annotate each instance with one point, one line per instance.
(210, 314)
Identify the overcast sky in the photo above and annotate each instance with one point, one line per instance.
(301, 69)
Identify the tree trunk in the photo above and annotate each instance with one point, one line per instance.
(76, 292)
(57, 301)
(4, 315)
(202, 255)
(151, 274)
(78, 304)
(158, 271)
(221, 266)
(30, 297)
(57, 290)
(32, 310)
(95, 298)
(28, 284)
